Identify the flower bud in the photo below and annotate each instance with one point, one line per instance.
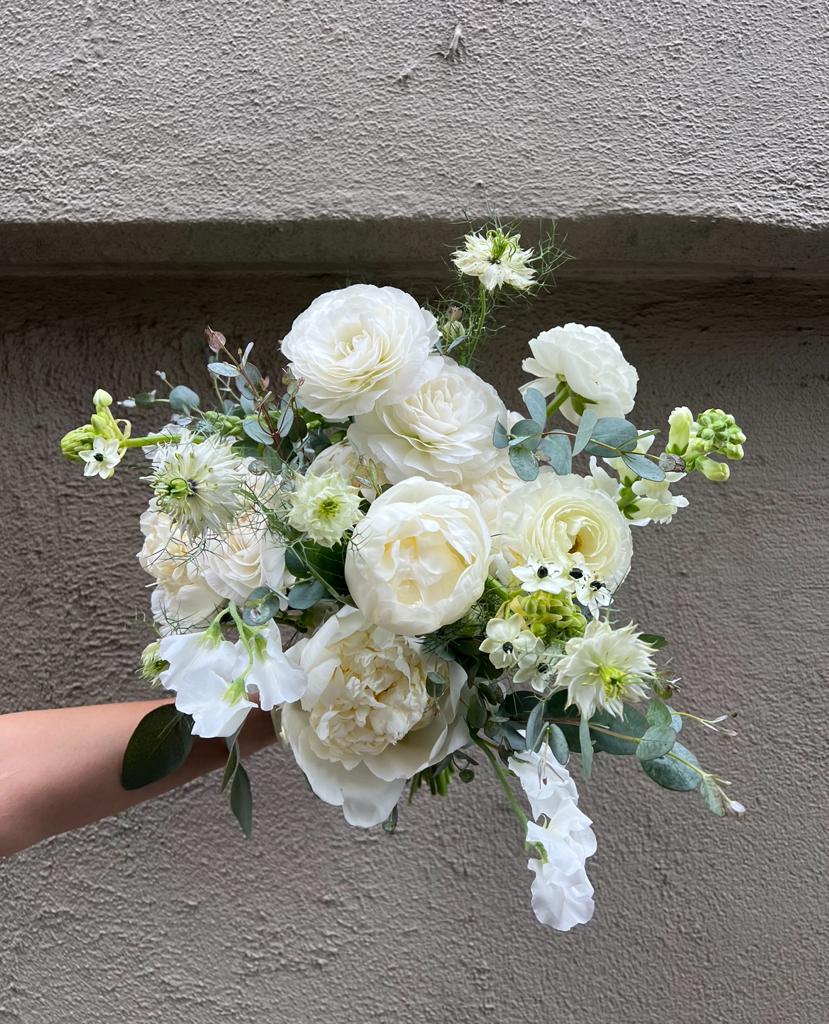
(77, 441)
(101, 400)
(152, 665)
(718, 472)
(680, 421)
(215, 339)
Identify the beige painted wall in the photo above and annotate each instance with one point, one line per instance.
(166, 915)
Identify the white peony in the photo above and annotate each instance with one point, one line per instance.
(604, 667)
(366, 724)
(562, 895)
(358, 347)
(590, 362)
(442, 431)
(419, 559)
(564, 521)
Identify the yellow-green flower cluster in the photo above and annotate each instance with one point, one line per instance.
(101, 424)
(553, 618)
(714, 432)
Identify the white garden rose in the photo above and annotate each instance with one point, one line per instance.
(352, 466)
(566, 522)
(419, 559)
(590, 362)
(245, 557)
(358, 347)
(366, 724)
(442, 431)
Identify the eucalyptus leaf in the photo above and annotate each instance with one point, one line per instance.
(500, 437)
(555, 448)
(222, 369)
(586, 748)
(658, 740)
(632, 723)
(524, 463)
(536, 405)
(254, 429)
(435, 684)
(390, 824)
(643, 466)
(183, 400)
(671, 773)
(286, 421)
(713, 797)
(525, 434)
(535, 726)
(306, 594)
(659, 714)
(588, 421)
(160, 744)
(241, 800)
(558, 743)
(611, 432)
(260, 607)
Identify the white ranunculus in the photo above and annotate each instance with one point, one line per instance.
(245, 557)
(358, 347)
(590, 362)
(564, 521)
(182, 600)
(366, 724)
(442, 431)
(419, 559)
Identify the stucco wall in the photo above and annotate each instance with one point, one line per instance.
(166, 914)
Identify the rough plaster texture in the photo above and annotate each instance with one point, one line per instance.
(166, 914)
(272, 112)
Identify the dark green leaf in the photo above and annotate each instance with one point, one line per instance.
(231, 766)
(183, 400)
(500, 437)
(654, 639)
(307, 558)
(536, 405)
(588, 421)
(435, 684)
(295, 563)
(524, 463)
(466, 775)
(672, 773)
(657, 741)
(306, 594)
(586, 748)
(145, 400)
(260, 607)
(475, 712)
(254, 429)
(241, 800)
(643, 466)
(555, 448)
(611, 433)
(160, 744)
(390, 824)
(535, 726)
(632, 723)
(659, 714)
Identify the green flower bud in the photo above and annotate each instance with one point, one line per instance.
(553, 617)
(718, 472)
(101, 400)
(680, 422)
(77, 441)
(151, 664)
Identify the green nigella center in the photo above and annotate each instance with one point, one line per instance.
(614, 680)
(178, 487)
(328, 508)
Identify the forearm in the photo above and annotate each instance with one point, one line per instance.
(61, 768)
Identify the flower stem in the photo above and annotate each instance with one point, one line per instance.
(142, 442)
(502, 778)
(559, 398)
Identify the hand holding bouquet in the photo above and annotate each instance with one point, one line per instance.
(414, 579)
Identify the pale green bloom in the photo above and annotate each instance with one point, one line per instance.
(324, 507)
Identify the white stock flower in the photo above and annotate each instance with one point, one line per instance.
(602, 481)
(590, 362)
(324, 506)
(654, 500)
(496, 259)
(419, 559)
(357, 347)
(563, 521)
(507, 640)
(442, 431)
(198, 484)
(604, 667)
(214, 679)
(562, 895)
(352, 466)
(182, 600)
(366, 723)
(102, 458)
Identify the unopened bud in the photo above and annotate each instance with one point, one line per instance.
(680, 422)
(215, 339)
(717, 472)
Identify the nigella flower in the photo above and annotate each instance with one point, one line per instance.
(324, 507)
(199, 485)
(496, 259)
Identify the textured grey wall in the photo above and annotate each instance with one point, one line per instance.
(166, 914)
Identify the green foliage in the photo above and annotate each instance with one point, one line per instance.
(585, 431)
(160, 744)
(670, 772)
(657, 740)
(654, 639)
(643, 466)
(585, 748)
(610, 436)
(241, 800)
(183, 400)
(524, 463)
(555, 448)
(306, 594)
(536, 405)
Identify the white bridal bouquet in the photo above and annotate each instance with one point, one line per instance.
(411, 577)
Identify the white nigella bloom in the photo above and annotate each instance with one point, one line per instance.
(324, 507)
(496, 259)
(536, 667)
(198, 484)
(102, 458)
(538, 576)
(604, 667)
(507, 640)
(215, 680)
(366, 723)
(562, 840)
(655, 502)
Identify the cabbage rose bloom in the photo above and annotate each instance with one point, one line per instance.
(420, 557)
(589, 361)
(366, 724)
(358, 347)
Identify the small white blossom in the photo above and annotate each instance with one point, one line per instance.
(102, 458)
(496, 259)
(198, 484)
(539, 576)
(655, 502)
(604, 667)
(507, 640)
(537, 667)
(324, 507)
